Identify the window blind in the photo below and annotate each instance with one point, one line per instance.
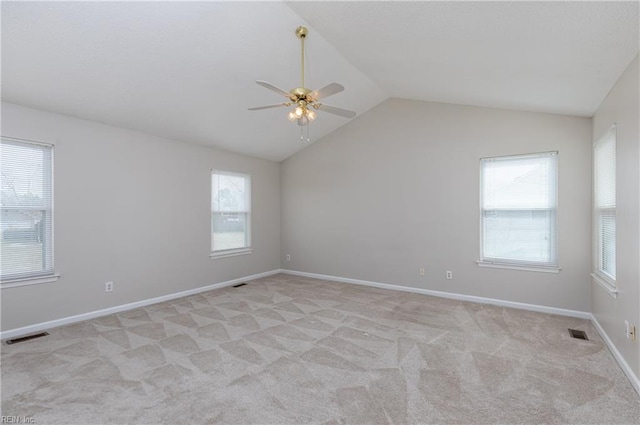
(605, 203)
(231, 211)
(26, 200)
(519, 209)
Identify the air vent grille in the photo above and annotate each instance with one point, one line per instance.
(26, 338)
(575, 333)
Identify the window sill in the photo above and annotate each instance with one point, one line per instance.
(606, 284)
(230, 253)
(13, 283)
(527, 268)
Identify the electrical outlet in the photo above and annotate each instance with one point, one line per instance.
(421, 271)
(449, 274)
(108, 287)
(288, 257)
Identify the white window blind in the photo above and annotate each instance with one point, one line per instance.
(230, 212)
(605, 205)
(26, 241)
(519, 210)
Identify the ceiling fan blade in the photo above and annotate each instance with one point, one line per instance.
(278, 105)
(273, 88)
(327, 91)
(337, 111)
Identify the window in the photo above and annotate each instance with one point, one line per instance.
(230, 214)
(518, 198)
(604, 209)
(26, 241)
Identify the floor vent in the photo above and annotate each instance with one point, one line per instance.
(578, 334)
(239, 285)
(26, 338)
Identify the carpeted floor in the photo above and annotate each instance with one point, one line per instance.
(292, 350)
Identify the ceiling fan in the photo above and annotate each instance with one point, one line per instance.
(306, 101)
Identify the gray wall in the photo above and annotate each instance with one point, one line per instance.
(398, 189)
(621, 107)
(133, 209)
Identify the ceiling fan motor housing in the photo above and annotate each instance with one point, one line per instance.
(300, 93)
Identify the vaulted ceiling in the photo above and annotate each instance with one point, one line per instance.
(187, 70)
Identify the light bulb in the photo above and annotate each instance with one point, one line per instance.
(292, 116)
(299, 111)
(311, 115)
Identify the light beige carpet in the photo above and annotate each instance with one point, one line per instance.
(292, 350)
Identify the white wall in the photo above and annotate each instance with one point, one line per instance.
(621, 107)
(133, 209)
(398, 189)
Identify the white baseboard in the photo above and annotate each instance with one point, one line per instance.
(635, 382)
(450, 295)
(12, 333)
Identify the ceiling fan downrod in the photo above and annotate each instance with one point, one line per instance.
(301, 33)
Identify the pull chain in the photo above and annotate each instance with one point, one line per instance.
(302, 127)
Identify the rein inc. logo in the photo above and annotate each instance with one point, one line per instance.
(17, 420)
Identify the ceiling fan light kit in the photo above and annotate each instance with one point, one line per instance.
(304, 100)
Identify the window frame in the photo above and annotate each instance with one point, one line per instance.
(248, 249)
(501, 263)
(48, 274)
(599, 275)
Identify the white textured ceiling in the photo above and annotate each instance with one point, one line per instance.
(181, 70)
(558, 57)
(187, 70)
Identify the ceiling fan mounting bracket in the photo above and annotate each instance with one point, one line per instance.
(301, 32)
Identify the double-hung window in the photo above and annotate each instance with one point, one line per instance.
(26, 225)
(604, 210)
(518, 199)
(230, 214)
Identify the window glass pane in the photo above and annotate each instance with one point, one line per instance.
(22, 243)
(519, 183)
(519, 235)
(605, 176)
(26, 197)
(230, 231)
(604, 213)
(519, 197)
(608, 243)
(229, 193)
(25, 174)
(230, 211)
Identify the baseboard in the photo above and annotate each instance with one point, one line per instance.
(635, 382)
(633, 379)
(450, 295)
(12, 333)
